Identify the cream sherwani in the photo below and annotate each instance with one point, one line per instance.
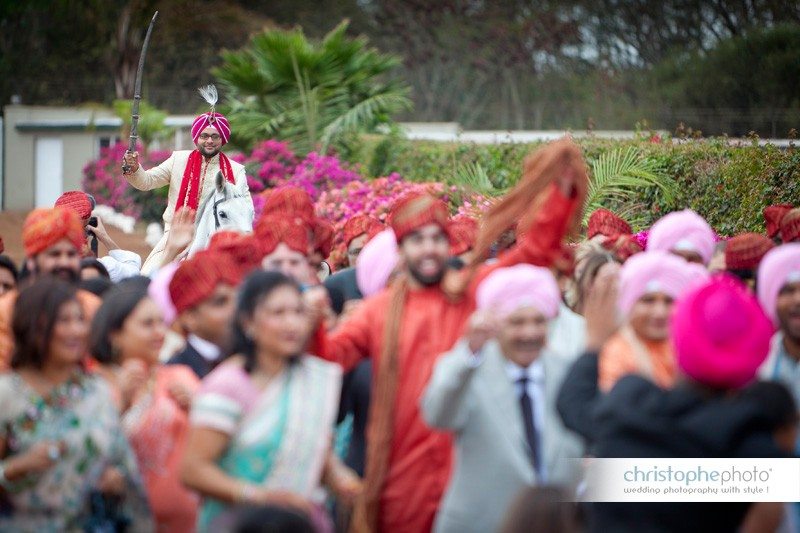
(170, 172)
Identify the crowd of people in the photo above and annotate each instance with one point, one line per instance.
(451, 378)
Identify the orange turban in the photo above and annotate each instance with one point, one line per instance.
(45, 227)
(242, 250)
(78, 201)
(273, 230)
(745, 251)
(414, 211)
(197, 277)
(464, 232)
(790, 226)
(290, 201)
(359, 225)
(323, 237)
(773, 216)
(605, 222)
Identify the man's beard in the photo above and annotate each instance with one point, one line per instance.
(214, 151)
(65, 274)
(427, 281)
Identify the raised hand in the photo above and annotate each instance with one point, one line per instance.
(131, 160)
(482, 327)
(180, 235)
(600, 309)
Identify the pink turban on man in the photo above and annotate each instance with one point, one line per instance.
(721, 335)
(216, 121)
(376, 262)
(655, 271)
(509, 289)
(683, 231)
(779, 267)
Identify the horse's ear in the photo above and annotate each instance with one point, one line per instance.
(220, 182)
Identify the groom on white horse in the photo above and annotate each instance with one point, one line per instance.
(190, 174)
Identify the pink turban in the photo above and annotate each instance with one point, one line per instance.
(683, 231)
(721, 335)
(508, 289)
(779, 267)
(216, 121)
(158, 290)
(376, 262)
(655, 271)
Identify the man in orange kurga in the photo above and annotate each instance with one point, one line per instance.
(422, 314)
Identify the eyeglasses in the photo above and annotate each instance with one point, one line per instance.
(213, 136)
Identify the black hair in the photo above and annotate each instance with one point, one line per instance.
(34, 318)
(97, 286)
(117, 306)
(91, 262)
(743, 274)
(138, 282)
(777, 403)
(253, 291)
(271, 519)
(8, 263)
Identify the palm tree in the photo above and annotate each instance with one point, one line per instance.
(617, 174)
(312, 94)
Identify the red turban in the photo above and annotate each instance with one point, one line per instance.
(243, 251)
(790, 226)
(360, 225)
(78, 201)
(773, 216)
(216, 121)
(323, 237)
(745, 251)
(605, 222)
(273, 230)
(622, 246)
(197, 277)
(45, 227)
(414, 211)
(463, 233)
(290, 201)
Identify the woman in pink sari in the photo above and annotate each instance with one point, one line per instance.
(127, 335)
(262, 422)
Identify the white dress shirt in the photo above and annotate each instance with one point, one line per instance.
(208, 350)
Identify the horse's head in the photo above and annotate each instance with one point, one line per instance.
(224, 209)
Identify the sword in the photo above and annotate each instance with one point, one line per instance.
(137, 94)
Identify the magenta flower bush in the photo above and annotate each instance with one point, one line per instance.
(339, 190)
(103, 179)
(376, 197)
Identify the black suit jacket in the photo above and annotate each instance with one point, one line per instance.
(192, 358)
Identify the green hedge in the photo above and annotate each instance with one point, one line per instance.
(728, 184)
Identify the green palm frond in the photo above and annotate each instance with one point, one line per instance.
(310, 93)
(473, 176)
(616, 177)
(364, 115)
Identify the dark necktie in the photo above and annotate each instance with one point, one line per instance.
(526, 406)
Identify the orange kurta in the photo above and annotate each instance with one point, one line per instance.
(88, 301)
(618, 358)
(420, 459)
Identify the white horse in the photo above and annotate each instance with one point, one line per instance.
(224, 209)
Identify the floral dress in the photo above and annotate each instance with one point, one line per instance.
(79, 413)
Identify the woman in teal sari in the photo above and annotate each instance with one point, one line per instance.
(262, 422)
(64, 462)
